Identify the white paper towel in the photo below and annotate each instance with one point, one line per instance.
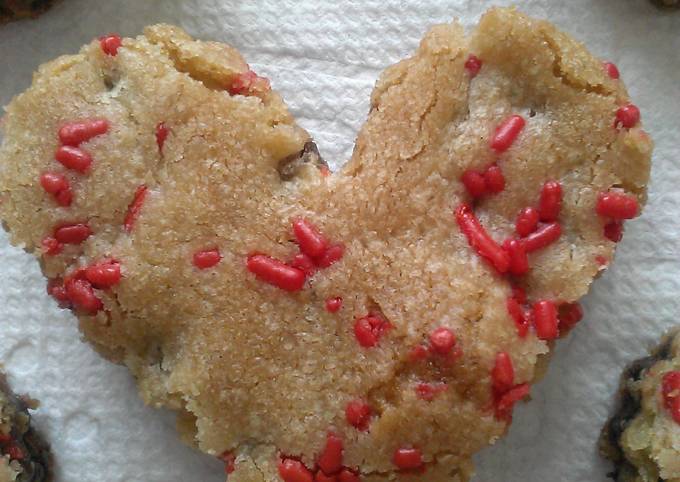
(324, 56)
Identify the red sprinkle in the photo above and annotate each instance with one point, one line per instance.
(333, 305)
(5, 438)
(545, 320)
(614, 231)
(207, 259)
(508, 400)
(527, 221)
(241, 83)
(75, 133)
(321, 477)
(494, 179)
(427, 391)
(72, 233)
(292, 470)
(519, 263)
(478, 184)
(275, 272)
(407, 458)
(418, 353)
(333, 254)
(347, 475)
(601, 260)
(248, 82)
(473, 64)
(670, 386)
(517, 314)
(617, 205)
(64, 198)
(305, 263)
(502, 373)
(506, 133)
(311, 241)
(519, 294)
(330, 460)
(134, 208)
(51, 246)
(544, 236)
(442, 340)
(81, 294)
(670, 392)
(58, 186)
(229, 460)
(627, 116)
(104, 275)
(162, 132)
(550, 202)
(14, 452)
(110, 44)
(53, 182)
(73, 158)
(611, 69)
(480, 240)
(474, 183)
(369, 329)
(55, 288)
(358, 414)
(570, 314)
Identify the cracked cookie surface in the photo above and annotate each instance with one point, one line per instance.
(643, 436)
(370, 323)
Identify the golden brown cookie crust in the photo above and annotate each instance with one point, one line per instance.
(262, 372)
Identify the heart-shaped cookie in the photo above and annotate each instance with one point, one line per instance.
(377, 323)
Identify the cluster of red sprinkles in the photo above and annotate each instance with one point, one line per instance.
(536, 227)
(77, 289)
(328, 468)
(70, 155)
(316, 252)
(670, 394)
(505, 392)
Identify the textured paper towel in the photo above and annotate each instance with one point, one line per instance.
(324, 56)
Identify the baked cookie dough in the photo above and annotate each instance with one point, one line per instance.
(378, 323)
(20, 9)
(643, 436)
(24, 456)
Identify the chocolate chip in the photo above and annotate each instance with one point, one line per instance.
(289, 167)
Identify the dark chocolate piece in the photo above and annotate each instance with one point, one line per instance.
(289, 167)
